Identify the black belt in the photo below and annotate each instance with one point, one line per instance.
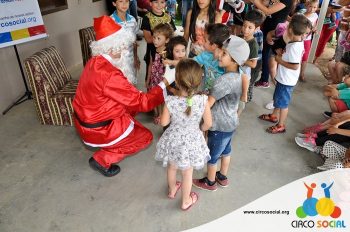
(93, 125)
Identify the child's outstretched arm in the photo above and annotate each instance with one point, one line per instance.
(165, 116)
(207, 119)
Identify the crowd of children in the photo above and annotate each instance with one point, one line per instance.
(202, 109)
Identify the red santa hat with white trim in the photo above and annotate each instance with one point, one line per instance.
(110, 36)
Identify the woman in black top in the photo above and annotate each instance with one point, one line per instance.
(277, 12)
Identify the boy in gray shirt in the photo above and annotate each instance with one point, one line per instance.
(226, 94)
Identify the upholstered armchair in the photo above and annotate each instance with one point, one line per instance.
(86, 35)
(52, 86)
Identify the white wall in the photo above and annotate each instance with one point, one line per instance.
(62, 27)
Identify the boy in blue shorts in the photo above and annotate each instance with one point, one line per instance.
(225, 93)
(287, 72)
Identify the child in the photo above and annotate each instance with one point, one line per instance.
(214, 37)
(150, 21)
(182, 145)
(225, 93)
(171, 8)
(127, 21)
(311, 8)
(200, 15)
(278, 40)
(161, 36)
(338, 70)
(287, 73)
(339, 96)
(336, 156)
(258, 35)
(176, 51)
(252, 21)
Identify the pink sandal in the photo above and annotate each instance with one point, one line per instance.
(177, 186)
(192, 195)
(156, 120)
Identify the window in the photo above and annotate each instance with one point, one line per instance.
(50, 6)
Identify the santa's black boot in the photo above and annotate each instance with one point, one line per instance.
(111, 171)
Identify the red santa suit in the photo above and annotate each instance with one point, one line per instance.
(104, 105)
(104, 94)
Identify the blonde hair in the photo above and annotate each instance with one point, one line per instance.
(188, 77)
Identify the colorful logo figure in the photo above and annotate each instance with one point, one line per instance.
(323, 206)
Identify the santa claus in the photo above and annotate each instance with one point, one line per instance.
(105, 102)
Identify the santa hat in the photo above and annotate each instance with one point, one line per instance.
(110, 36)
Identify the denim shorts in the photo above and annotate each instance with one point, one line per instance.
(219, 144)
(282, 95)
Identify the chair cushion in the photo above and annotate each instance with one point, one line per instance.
(52, 87)
(61, 109)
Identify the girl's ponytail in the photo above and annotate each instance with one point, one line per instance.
(189, 102)
(188, 77)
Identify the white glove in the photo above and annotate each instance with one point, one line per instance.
(169, 74)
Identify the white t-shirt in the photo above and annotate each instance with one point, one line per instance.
(313, 19)
(294, 52)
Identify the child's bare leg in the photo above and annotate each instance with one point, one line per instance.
(339, 71)
(225, 163)
(283, 116)
(273, 69)
(186, 187)
(171, 177)
(331, 70)
(211, 172)
(332, 105)
(276, 112)
(158, 110)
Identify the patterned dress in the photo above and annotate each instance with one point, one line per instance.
(182, 143)
(157, 71)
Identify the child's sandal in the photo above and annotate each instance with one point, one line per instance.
(276, 129)
(177, 187)
(156, 120)
(268, 118)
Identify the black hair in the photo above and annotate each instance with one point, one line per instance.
(195, 12)
(255, 16)
(172, 43)
(218, 33)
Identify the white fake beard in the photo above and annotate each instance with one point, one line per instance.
(122, 64)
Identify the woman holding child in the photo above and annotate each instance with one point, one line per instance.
(277, 12)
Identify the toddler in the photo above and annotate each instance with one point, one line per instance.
(182, 145)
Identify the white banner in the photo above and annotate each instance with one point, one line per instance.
(320, 202)
(20, 21)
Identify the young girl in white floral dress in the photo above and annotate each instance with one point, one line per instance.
(182, 145)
